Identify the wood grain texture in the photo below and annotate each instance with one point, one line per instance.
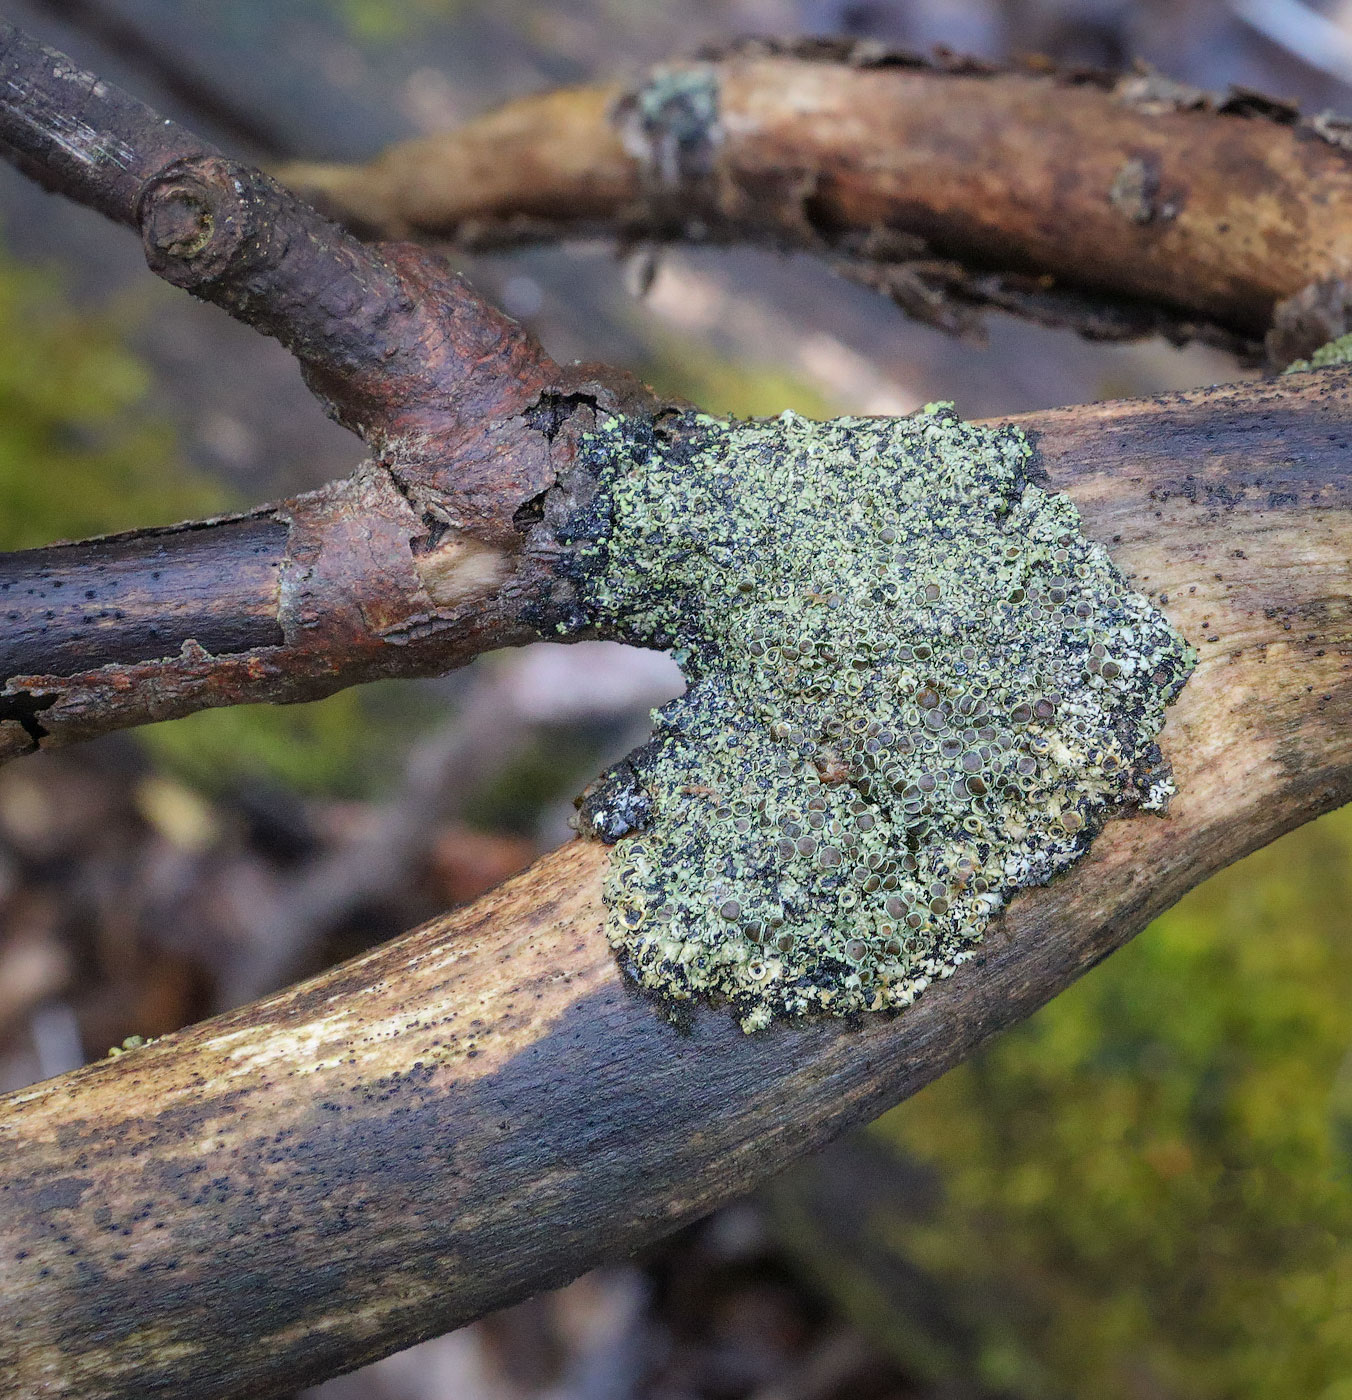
(1080, 199)
(481, 1108)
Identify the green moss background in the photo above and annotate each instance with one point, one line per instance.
(1146, 1189)
(380, 21)
(79, 453)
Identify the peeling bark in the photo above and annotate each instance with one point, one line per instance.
(433, 552)
(360, 580)
(439, 384)
(318, 593)
(1117, 206)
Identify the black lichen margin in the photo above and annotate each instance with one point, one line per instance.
(915, 688)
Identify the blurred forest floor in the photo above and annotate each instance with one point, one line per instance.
(1145, 1192)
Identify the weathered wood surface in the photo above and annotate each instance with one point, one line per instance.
(481, 1109)
(1118, 205)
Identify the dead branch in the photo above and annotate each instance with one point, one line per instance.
(427, 556)
(313, 595)
(145, 50)
(394, 345)
(88, 139)
(481, 1109)
(1119, 206)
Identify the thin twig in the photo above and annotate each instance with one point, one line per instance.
(429, 554)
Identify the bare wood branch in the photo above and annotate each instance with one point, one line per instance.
(481, 1108)
(198, 91)
(1119, 206)
(319, 593)
(95, 143)
(427, 556)
(144, 594)
(396, 346)
(381, 333)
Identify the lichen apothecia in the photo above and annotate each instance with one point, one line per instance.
(914, 687)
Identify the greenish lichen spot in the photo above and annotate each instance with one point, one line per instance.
(914, 688)
(1336, 352)
(670, 125)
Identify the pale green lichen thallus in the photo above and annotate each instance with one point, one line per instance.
(914, 688)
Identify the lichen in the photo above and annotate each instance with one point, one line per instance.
(914, 688)
(1336, 352)
(670, 124)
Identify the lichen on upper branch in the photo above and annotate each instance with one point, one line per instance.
(914, 688)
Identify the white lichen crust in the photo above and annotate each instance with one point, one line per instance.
(915, 688)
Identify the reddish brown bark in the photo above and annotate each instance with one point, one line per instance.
(438, 549)
(354, 582)
(396, 346)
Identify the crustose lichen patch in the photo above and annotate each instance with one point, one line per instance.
(914, 688)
